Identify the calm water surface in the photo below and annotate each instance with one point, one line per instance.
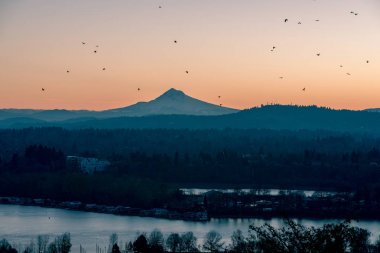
(272, 192)
(21, 224)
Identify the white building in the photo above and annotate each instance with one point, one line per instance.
(87, 164)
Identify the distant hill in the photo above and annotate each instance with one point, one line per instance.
(176, 110)
(372, 110)
(280, 117)
(172, 102)
(265, 117)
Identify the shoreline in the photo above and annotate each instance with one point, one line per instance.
(162, 213)
(116, 210)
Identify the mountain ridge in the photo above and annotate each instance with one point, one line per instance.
(169, 103)
(274, 117)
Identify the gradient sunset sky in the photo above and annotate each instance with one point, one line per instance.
(224, 44)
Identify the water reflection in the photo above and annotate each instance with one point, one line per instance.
(20, 224)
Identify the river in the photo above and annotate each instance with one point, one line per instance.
(21, 224)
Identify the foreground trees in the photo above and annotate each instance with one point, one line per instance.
(5, 247)
(291, 238)
(173, 242)
(213, 242)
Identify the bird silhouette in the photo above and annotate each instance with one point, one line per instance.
(319, 54)
(104, 68)
(281, 77)
(67, 71)
(83, 43)
(187, 72)
(348, 74)
(341, 66)
(159, 7)
(42, 89)
(304, 89)
(218, 96)
(97, 45)
(317, 20)
(367, 61)
(299, 23)
(138, 89)
(286, 20)
(95, 51)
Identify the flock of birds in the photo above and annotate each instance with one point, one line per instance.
(286, 20)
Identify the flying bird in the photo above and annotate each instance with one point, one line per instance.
(281, 77)
(159, 7)
(299, 23)
(317, 20)
(187, 72)
(286, 20)
(104, 68)
(348, 74)
(341, 66)
(218, 96)
(304, 89)
(67, 71)
(138, 89)
(367, 61)
(42, 89)
(319, 54)
(95, 51)
(97, 45)
(83, 43)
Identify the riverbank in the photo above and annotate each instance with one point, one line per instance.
(233, 204)
(117, 210)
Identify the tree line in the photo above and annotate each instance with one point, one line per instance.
(229, 157)
(43, 244)
(292, 237)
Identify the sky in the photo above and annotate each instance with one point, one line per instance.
(224, 44)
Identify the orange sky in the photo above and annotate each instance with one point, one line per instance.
(224, 44)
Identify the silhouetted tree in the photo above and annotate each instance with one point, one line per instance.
(63, 243)
(156, 241)
(112, 241)
(42, 243)
(5, 247)
(52, 248)
(238, 242)
(173, 242)
(213, 242)
(141, 245)
(188, 243)
(115, 248)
